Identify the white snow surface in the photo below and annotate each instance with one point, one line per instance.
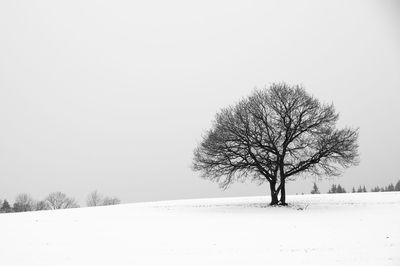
(325, 229)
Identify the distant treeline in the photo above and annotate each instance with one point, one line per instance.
(56, 200)
(339, 189)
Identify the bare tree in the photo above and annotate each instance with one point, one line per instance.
(111, 201)
(41, 205)
(274, 135)
(94, 199)
(23, 203)
(58, 200)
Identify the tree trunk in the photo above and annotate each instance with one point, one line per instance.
(274, 194)
(283, 194)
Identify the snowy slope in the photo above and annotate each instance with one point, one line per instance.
(340, 229)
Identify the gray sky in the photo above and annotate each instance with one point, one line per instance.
(115, 95)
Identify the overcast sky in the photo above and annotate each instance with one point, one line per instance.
(115, 95)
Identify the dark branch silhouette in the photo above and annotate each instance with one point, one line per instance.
(274, 134)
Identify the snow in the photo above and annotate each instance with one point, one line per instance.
(326, 229)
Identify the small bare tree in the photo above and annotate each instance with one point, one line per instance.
(111, 201)
(41, 205)
(94, 199)
(23, 203)
(58, 200)
(274, 135)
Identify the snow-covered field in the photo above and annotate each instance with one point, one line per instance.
(327, 229)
